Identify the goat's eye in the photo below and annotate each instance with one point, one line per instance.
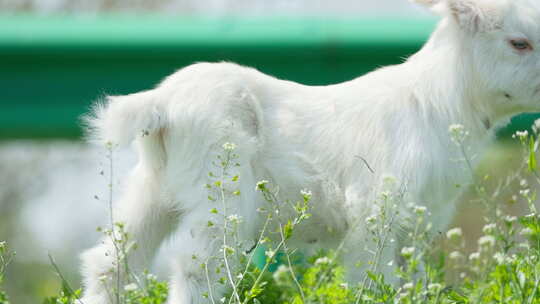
(521, 44)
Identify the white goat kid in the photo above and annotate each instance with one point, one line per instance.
(480, 67)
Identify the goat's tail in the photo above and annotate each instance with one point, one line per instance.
(118, 120)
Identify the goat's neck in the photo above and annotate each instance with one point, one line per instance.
(447, 92)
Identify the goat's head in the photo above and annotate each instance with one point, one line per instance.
(498, 42)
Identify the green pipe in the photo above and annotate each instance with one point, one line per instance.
(53, 67)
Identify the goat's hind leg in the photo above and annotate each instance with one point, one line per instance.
(147, 219)
(199, 262)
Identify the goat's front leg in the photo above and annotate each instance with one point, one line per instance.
(146, 217)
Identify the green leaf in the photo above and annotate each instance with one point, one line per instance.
(288, 229)
(532, 156)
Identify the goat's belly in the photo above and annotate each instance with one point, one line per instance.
(294, 173)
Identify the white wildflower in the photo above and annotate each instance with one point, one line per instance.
(486, 241)
(526, 232)
(523, 183)
(402, 295)
(234, 218)
(269, 253)
(130, 287)
(306, 194)
(227, 249)
(367, 298)
(455, 255)
(499, 257)
(222, 300)
(420, 210)
(280, 271)
(434, 287)
(489, 228)
(502, 258)
(474, 256)
(240, 276)
(525, 246)
(344, 285)
(407, 252)
(458, 133)
(228, 146)
(386, 194)
(521, 134)
(408, 286)
(261, 185)
(509, 219)
(151, 277)
(103, 278)
(536, 125)
(323, 260)
(370, 220)
(454, 233)
(455, 128)
(389, 183)
(524, 192)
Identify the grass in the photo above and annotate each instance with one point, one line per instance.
(502, 266)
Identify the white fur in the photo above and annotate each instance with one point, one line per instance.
(395, 118)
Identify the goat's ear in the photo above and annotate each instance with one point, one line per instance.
(476, 15)
(436, 6)
(426, 3)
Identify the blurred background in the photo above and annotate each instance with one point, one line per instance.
(59, 56)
